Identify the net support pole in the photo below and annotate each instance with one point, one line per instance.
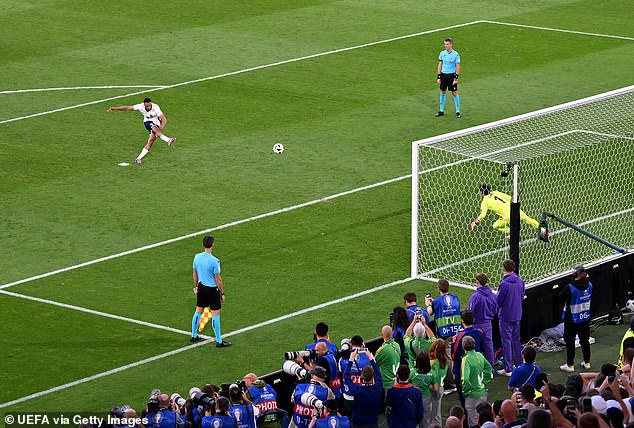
(514, 239)
(414, 249)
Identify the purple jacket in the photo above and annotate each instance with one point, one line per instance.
(510, 297)
(483, 304)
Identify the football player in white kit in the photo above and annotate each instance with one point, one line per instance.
(154, 121)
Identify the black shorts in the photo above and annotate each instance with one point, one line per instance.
(446, 82)
(208, 296)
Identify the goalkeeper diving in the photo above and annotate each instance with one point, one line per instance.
(500, 204)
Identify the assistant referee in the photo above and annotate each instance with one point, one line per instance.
(209, 290)
(448, 73)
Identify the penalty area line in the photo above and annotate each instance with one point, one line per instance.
(244, 70)
(205, 342)
(559, 30)
(74, 88)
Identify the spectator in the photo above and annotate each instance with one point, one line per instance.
(483, 304)
(539, 418)
(446, 311)
(439, 368)
(367, 394)
(244, 413)
(577, 297)
(308, 396)
(356, 367)
(264, 398)
(476, 372)
(165, 417)
(331, 417)
(321, 335)
(484, 415)
(388, 357)
(453, 422)
(508, 414)
(221, 419)
(527, 396)
(628, 334)
(400, 322)
(404, 401)
(412, 307)
(458, 412)
(526, 373)
(421, 378)
(509, 299)
(457, 351)
(417, 336)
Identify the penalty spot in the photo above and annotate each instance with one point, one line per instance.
(124, 164)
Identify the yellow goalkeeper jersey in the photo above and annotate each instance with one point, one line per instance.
(496, 202)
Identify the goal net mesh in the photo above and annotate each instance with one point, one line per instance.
(575, 161)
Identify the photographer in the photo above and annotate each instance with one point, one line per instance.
(331, 418)
(245, 413)
(328, 361)
(367, 393)
(418, 336)
(321, 336)
(263, 397)
(356, 366)
(201, 403)
(222, 418)
(308, 397)
(164, 416)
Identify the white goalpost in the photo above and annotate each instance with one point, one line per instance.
(575, 160)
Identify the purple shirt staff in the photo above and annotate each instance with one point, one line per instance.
(483, 304)
(509, 298)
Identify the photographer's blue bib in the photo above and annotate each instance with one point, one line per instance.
(335, 380)
(244, 415)
(217, 422)
(302, 415)
(265, 398)
(447, 315)
(580, 304)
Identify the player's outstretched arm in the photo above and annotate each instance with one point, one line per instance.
(163, 120)
(120, 108)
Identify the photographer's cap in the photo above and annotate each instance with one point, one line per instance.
(578, 270)
(331, 405)
(320, 372)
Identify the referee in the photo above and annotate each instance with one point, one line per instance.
(448, 72)
(209, 290)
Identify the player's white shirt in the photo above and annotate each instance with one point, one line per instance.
(149, 116)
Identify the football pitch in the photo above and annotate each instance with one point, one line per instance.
(95, 275)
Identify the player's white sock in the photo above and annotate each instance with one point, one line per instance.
(165, 138)
(143, 153)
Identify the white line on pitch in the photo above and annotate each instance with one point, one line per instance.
(187, 348)
(93, 312)
(202, 232)
(559, 30)
(74, 88)
(245, 70)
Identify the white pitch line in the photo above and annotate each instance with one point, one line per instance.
(245, 70)
(73, 88)
(102, 314)
(202, 232)
(187, 348)
(559, 30)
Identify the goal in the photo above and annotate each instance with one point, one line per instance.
(575, 160)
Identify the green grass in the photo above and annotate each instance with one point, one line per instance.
(346, 119)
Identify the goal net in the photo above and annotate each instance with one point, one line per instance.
(575, 160)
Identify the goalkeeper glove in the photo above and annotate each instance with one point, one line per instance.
(474, 223)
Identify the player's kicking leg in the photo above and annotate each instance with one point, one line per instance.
(157, 131)
(146, 149)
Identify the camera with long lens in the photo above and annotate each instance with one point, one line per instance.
(199, 398)
(153, 401)
(176, 398)
(311, 400)
(119, 411)
(346, 345)
(299, 354)
(294, 369)
(237, 384)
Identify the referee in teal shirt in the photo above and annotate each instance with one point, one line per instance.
(209, 290)
(448, 72)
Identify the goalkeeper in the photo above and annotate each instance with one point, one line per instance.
(499, 203)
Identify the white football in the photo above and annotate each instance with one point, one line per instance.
(630, 305)
(278, 148)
